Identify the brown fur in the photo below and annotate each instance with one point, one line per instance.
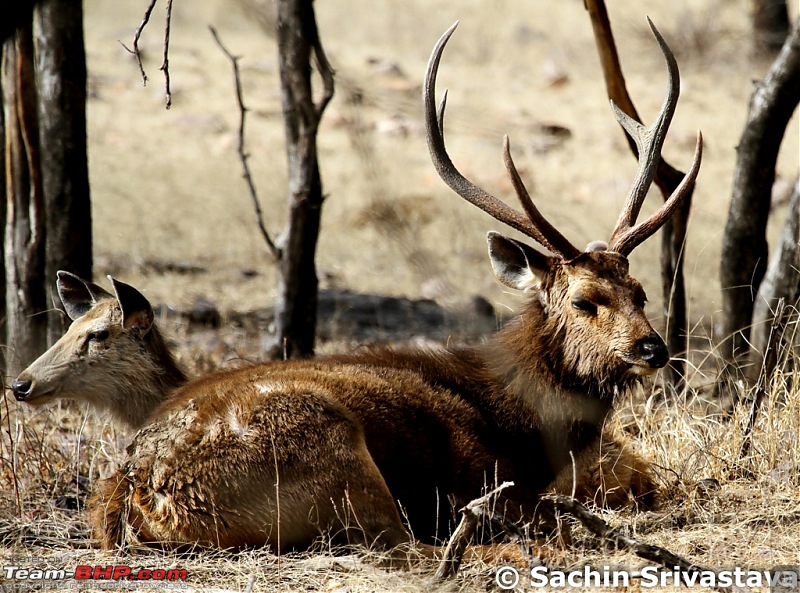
(281, 446)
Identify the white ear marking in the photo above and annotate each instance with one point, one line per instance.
(516, 264)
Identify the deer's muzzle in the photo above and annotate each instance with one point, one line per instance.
(652, 351)
(21, 388)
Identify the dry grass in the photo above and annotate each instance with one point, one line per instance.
(166, 188)
(716, 509)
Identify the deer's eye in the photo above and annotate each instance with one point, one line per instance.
(584, 305)
(98, 336)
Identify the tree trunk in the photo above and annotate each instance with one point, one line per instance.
(3, 182)
(296, 304)
(744, 246)
(61, 86)
(24, 233)
(782, 280)
(770, 20)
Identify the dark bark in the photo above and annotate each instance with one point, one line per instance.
(775, 316)
(14, 14)
(24, 232)
(744, 246)
(782, 279)
(2, 209)
(296, 304)
(770, 20)
(61, 85)
(667, 178)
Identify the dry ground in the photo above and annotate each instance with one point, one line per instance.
(167, 190)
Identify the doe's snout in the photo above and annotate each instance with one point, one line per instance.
(652, 350)
(21, 388)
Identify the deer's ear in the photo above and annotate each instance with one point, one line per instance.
(78, 295)
(136, 310)
(516, 264)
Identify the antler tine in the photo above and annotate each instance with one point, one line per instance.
(434, 126)
(648, 143)
(546, 233)
(628, 240)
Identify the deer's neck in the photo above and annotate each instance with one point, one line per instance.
(160, 375)
(532, 371)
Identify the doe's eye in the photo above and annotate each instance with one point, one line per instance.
(584, 305)
(98, 336)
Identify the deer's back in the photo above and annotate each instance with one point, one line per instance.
(430, 423)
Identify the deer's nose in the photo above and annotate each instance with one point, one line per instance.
(21, 388)
(653, 351)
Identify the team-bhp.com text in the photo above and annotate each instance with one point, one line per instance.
(85, 572)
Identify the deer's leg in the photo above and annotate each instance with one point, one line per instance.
(609, 473)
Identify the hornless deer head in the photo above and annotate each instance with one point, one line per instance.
(112, 356)
(587, 297)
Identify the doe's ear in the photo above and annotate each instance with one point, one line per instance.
(78, 295)
(516, 264)
(136, 310)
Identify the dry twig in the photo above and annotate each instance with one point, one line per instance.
(138, 55)
(767, 368)
(165, 62)
(470, 516)
(616, 536)
(243, 156)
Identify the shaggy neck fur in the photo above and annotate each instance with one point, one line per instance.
(567, 389)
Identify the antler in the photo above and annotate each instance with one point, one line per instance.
(627, 235)
(649, 140)
(534, 225)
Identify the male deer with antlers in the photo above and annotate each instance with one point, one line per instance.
(280, 453)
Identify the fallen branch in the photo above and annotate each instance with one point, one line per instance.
(470, 518)
(615, 535)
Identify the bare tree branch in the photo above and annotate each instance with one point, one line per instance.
(744, 243)
(136, 36)
(243, 156)
(326, 72)
(138, 55)
(782, 279)
(296, 302)
(165, 63)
